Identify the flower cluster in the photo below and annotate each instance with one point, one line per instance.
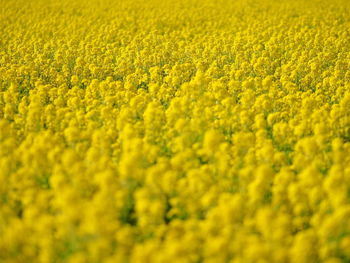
(175, 131)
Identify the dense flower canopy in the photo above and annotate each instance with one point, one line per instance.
(175, 131)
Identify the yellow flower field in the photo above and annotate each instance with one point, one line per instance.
(174, 131)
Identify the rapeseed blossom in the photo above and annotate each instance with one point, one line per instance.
(174, 131)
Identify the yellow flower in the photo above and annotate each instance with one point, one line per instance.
(174, 131)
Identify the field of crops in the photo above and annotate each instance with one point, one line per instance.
(181, 131)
